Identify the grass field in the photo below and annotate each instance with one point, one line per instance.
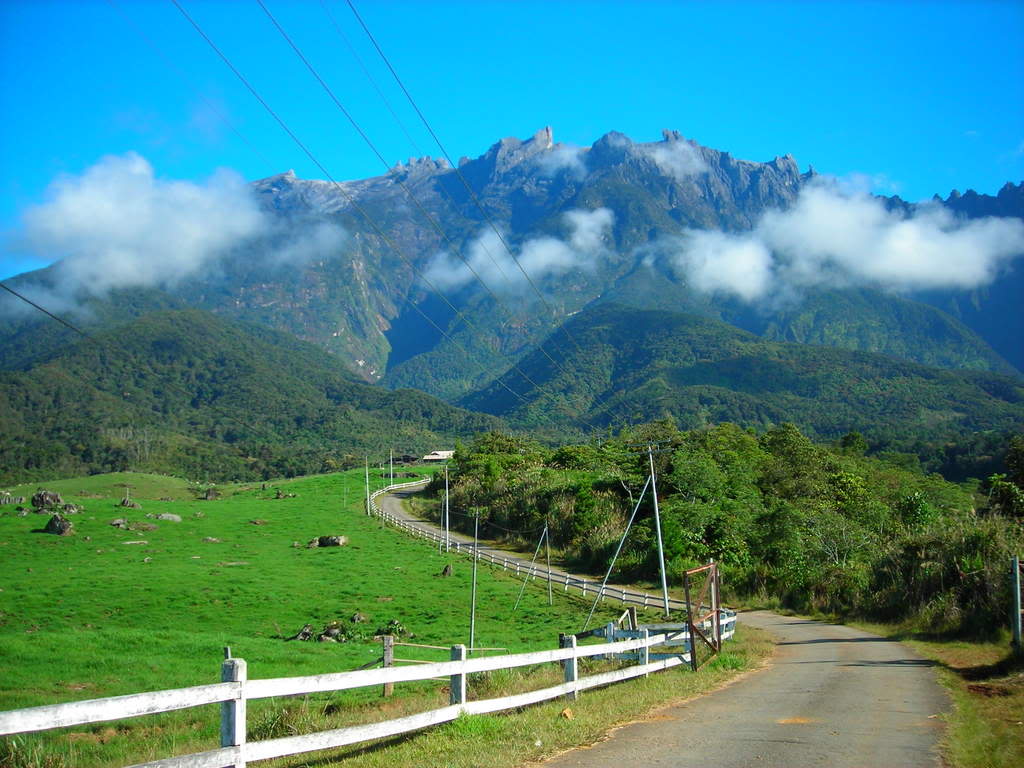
(110, 611)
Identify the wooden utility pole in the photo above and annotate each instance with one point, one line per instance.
(447, 530)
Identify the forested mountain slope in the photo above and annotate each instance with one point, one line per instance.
(634, 366)
(186, 392)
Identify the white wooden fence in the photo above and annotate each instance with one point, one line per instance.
(236, 690)
(567, 581)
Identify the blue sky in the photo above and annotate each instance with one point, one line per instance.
(922, 97)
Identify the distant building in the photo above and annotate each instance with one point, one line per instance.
(439, 456)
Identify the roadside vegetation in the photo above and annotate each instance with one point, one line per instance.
(797, 527)
(814, 528)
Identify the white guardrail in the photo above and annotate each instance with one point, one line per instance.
(566, 581)
(235, 690)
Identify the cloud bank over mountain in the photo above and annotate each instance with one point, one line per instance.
(836, 236)
(487, 258)
(117, 225)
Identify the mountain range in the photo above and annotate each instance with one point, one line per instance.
(583, 286)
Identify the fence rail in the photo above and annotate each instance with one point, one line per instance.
(567, 581)
(237, 690)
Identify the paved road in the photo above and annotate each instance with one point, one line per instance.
(832, 696)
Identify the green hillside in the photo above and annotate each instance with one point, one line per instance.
(185, 392)
(634, 366)
(151, 607)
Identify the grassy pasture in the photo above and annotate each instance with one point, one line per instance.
(93, 614)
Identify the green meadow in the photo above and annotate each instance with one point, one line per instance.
(109, 611)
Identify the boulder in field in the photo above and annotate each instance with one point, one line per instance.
(332, 541)
(170, 517)
(303, 634)
(59, 526)
(46, 500)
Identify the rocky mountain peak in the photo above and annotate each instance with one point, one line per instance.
(505, 155)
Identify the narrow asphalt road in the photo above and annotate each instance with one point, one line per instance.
(832, 696)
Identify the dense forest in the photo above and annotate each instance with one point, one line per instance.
(184, 392)
(634, 366)
(815, 527)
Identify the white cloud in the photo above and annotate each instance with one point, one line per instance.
(118, 225)
(589, 229)
(563, 157)
(838, 237)
(716, 262)
(539, 257)
(678, 159)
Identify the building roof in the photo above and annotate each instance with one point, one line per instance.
(439, 456)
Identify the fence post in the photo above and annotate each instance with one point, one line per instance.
(1015, 618)
(388, 641)
(645, 652)
(458, 682)
(609, 634)
(232, 713)
(571, 665)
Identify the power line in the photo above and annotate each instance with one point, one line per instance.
(390, 108)
(462, 178)
(355, 205)
(110, 347)
(405, 188)
(302, 195)
(380, 233)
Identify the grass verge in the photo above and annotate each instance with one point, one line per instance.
(513, 739)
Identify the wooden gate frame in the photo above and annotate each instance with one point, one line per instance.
(714, 584)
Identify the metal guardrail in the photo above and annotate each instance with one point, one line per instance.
(566, 581)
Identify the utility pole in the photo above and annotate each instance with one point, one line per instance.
(447, 533)
(367, 485)
(472, 608)
(657, 526)
(391, 465)
(547, 555)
